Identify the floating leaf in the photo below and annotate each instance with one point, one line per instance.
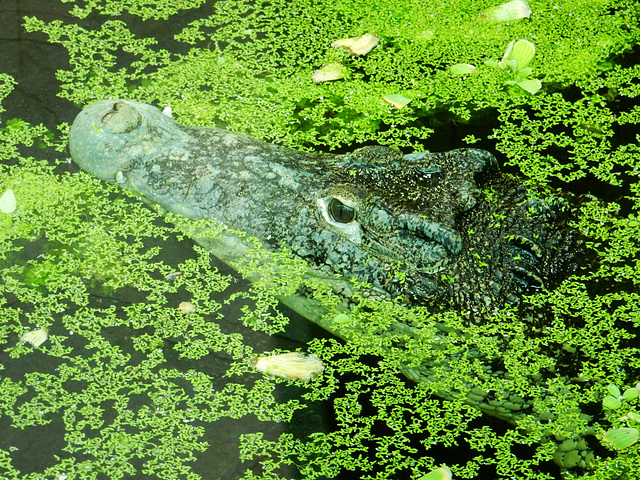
(530, 85)
(522, 52)
(8, 202)
(442, 473)
(612, 403)
(525, 72)
(330, 72)
(186, 307)
(292, 366)
(396, 100)
(517, 56)
(462, 68)
(630, 394)
(35, 337)
(358, 45)
(621, 438)
(513, 10)
(613, 390)
(633, 416)
(341, 318)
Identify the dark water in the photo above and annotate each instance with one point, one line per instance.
(32, 62)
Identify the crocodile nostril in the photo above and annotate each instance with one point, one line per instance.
(107, 116)
(122, 118)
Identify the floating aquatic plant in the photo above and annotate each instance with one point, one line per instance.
(614, 400)
(462, 68)
(625, 434)
(516, 61)
(238, 68)
(442, 473)
(397, 100)
(330, 72)
(7, 207)
(621, 438)
(35, 337)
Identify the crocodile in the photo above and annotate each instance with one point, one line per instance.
(442, 230)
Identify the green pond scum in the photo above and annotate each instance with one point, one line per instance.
(107, 376)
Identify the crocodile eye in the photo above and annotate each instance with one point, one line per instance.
(340, 212)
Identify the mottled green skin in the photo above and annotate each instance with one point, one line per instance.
(419, 225)
(438, 229)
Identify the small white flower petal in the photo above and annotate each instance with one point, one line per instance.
(8, 202)
(292, 366)
(186, 307)
(358, 45)
(514, 10)
(330, 72)
(35, 337)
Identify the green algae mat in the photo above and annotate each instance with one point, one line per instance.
(126, 351)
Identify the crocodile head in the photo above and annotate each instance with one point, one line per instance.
(438, 229)
(449, 228)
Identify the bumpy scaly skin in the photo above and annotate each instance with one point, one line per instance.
(439, 229)
(417, 225)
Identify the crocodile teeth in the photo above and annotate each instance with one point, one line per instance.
(528, 278)
(442, 234)
(527, 245)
